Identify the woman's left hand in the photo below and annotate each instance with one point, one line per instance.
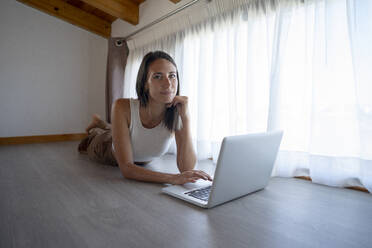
(181, 102)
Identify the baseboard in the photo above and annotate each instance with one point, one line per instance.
(351, 187)
(41, 138)
(303, 177)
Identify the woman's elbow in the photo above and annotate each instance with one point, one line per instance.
(126, 171)
(125, 175)
(186, 165)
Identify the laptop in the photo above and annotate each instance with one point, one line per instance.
(244, 166)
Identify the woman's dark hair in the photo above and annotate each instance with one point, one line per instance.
(170, 120)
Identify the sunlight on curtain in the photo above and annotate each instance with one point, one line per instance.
(320, 108)
(302, 67)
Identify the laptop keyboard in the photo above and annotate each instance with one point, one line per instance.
(201, 194)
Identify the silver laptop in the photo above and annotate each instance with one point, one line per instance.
(244, 166)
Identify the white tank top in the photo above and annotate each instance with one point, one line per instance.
(147, 143)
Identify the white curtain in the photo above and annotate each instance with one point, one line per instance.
(299, 66)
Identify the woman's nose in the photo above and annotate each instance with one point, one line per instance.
(167, 82)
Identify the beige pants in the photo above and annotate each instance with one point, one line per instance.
(98, 146)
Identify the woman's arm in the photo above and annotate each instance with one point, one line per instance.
(186, 157)
(123, 152)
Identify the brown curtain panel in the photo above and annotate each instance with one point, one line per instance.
(116, 62)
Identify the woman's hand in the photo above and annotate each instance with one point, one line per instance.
(181, 102)
(190, 176)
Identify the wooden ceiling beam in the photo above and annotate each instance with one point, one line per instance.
(123, 9)
(73, 15)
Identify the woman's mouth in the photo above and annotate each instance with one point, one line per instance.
(166, 93)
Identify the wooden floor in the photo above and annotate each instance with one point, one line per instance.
(53, 197)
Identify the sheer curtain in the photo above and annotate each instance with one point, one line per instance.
(299, 66)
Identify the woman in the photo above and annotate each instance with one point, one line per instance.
(142, 128)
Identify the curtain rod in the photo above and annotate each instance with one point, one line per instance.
(162, 18)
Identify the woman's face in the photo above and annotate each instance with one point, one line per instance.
(162, 81)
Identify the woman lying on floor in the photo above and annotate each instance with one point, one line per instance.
(142, 128)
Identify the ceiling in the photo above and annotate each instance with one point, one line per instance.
(93, 15)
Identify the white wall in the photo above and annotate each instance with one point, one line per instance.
(150, 10)
(52, 74)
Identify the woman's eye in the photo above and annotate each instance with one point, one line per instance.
(172, 76)
(157, 76)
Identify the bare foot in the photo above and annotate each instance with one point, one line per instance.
(96, 122)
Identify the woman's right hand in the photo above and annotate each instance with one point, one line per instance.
(190, 176)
